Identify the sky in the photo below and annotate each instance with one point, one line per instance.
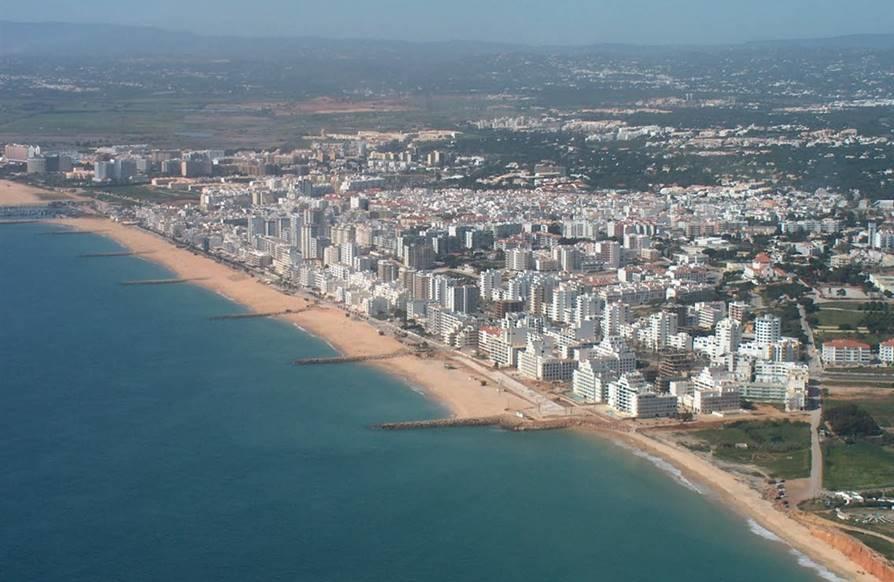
(523, 21)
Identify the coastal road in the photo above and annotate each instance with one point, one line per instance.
(815, 365)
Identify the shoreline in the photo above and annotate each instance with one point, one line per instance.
(741, 499)
(458, 390)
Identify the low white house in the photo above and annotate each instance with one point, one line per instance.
(846, 352)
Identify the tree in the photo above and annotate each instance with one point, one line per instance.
(849, 420)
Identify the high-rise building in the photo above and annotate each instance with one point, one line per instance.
(519, 259)
(738, 310)
(568, 257)
(37, 166)
(309, 232)
(462, 298)
(767, 329)
(488, 281)
(661, 327)
(388, 271)
(673, 365)
(728, 335)
(418, 255)
(613, 317)
(20, 153)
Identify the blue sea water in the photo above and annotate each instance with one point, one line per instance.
(140, 440)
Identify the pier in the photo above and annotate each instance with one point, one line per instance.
(443, 423)
(157, 282)
(71, 232)
(505, 421)
(7, 222)
(262, 314)
(351, 359)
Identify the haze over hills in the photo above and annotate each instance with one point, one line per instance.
(86, 40)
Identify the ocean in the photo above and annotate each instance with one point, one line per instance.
(140, 440)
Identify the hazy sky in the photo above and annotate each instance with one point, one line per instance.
(528, 21)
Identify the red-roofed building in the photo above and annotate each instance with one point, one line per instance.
(846, 352)
(760, 268)
(886, 351)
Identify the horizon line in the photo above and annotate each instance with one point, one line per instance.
(497, 43)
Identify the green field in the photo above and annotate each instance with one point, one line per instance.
(835, 317)
(880, 408)
(849, 305)
(145, 193)
(781, 448)
(869, 321)
(858, 466)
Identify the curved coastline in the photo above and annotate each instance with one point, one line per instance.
(461, 394)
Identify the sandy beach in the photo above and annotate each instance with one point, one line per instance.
(18, 194)
(744, 500)
(457, 389)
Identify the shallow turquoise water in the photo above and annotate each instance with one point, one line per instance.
(141, 441)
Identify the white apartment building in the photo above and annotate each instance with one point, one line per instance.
(502, 345)
(846, 352)
(614, 316)
(767, 329)
(632, 395)
(728, 336)
(886, 351)
(538, 363)
(591, 379)
(713, 390)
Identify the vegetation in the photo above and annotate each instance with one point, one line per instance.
(777, 291)
(791, 321)
(781, 448)
(857, 466)
(880, 408)
(878, 544)
(871, 322)
(850, 420)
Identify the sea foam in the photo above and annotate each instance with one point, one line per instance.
(669, 469)
(803, 560)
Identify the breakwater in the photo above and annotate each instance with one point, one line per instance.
(71, 232)
(112, 254)
(506, 421)
(262, 314)
(157, 282)
(351, 359)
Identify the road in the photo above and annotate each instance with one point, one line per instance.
(815, 484)
(815, 364)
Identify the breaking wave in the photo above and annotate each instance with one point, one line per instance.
(803, 560)
(669, 469)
